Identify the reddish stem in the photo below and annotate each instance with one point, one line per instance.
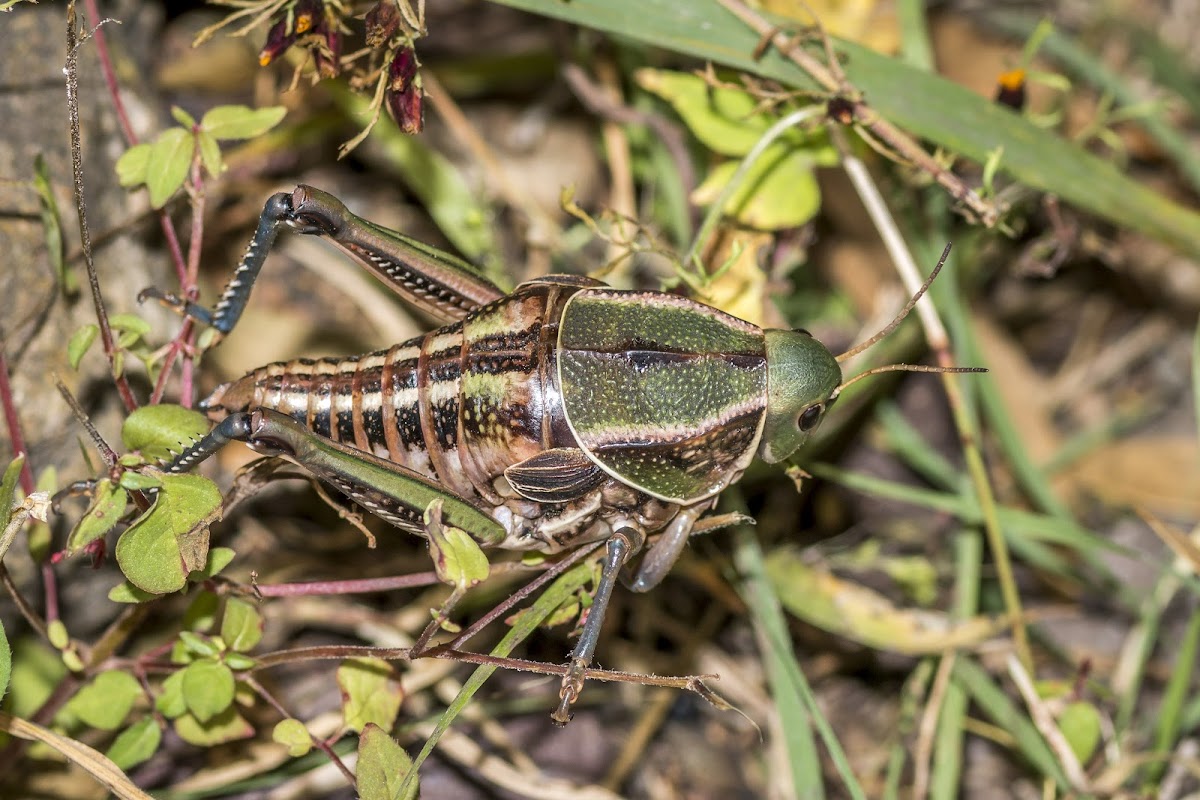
(14, 423)
(283, 712)
(360, 586)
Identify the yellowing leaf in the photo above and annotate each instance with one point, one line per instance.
(778, 191)
(822, 599)
(457, 558)
(292, 734)
(228, 726)
(723, 119)
(370, 693)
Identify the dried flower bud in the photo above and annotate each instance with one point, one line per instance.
(408, 109)
(327, 52)
(383, 20)
(308, 15)
(404, 95)
(402, 70)
(279, 39)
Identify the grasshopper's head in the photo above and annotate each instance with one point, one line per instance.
(802, 381)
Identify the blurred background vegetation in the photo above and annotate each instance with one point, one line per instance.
(978, 586)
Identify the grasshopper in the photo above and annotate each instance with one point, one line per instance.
(562, 413)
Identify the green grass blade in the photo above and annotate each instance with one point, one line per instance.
(1166, 729)
(925, 105)
(948, 743)
(798, 705)
(975, 680)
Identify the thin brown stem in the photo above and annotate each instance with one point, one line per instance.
(27, 611)
(106, 452)
(322, 745)
(85, 240)
(330, 653)
(358, 586)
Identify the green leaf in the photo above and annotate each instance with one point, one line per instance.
(1081, 725)
(201, 646)
(52, 226)
(108, 505)
(228, 726)
(382, 765)
(163, 430)
(778, 191)
(724, 119)
(207, 689)
(210, 153)
(5, 661)
(139, 481)
(926, 105)
(241, 122)
(156, 552)
(136, 743)
(56, 634)
(242, 625)
(218, 559)
(292, 734)
(183, 118)
(131, 166)
(36, 671)
(238, 661)
(126, 592)
(201, 615)
(457, 558)
(370, 693)
(131, 327)
(8, 489)
(106, 701)
(80, 343)
(170, 702)
(168, 164)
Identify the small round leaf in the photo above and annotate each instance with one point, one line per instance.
(207, 689)
(292, 734)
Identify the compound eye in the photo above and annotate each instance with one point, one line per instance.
(810, 416)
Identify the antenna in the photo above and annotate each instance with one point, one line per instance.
(900, 368)
(891, 326)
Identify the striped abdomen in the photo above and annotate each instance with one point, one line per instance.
(459, 404)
